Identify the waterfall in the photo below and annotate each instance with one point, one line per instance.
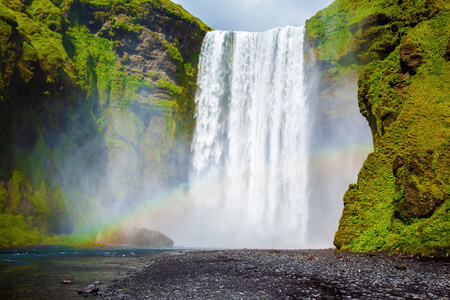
(250, 147)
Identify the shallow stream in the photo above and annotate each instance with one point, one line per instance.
(36, 273)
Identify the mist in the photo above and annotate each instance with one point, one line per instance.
(340, 142)
(235, 202)
(289, 197)
(110, 178)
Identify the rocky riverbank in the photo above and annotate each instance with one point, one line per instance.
(284, 274)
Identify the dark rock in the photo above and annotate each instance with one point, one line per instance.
(65, 281)
(143, 236)
(447, 52)
(89, 289)
(401, 267)
(410, 58)
(399, 162)
(136, 236)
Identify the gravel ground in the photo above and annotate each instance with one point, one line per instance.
(284, 274)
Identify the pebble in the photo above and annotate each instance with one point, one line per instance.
(285, 274)
(66, 281)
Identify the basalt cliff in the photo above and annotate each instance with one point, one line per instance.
(96, 108)
(398, 52)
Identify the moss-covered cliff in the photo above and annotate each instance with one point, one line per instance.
(400, 51)
(96, 106)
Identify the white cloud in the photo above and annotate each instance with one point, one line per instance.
(253, 15)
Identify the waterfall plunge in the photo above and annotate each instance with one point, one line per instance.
(272, 154)
(250, 147)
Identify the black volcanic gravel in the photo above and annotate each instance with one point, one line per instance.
(284, 274)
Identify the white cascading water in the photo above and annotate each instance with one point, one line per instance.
(250, 147)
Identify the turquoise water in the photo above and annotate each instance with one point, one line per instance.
(36, 273)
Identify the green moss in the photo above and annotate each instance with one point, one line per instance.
(14, 231)
(175, 54)
(86, 84)
(16, 195)
(4, 195)
(365, 30)
(32, 163)
(100, 72)
(175, 91)
(94, 60)
(42, 208)
(134, 8)
(47, 13)
(400, 201)
(5, 14)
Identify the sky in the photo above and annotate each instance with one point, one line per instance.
(253, 15)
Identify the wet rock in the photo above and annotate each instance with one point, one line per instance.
(65, 281)
(89, 289)
(136, 236)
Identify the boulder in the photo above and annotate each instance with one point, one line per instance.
(136, 236)
(89, 289)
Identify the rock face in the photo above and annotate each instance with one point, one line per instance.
(399, 49)
(96, 106)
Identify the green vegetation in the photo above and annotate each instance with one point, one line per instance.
(14, 231)
(401, 201)
(366, 30)
(134, 9)
(30, 216)
(97, 80)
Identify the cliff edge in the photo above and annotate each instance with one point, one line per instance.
(398, 50)
(96, 110)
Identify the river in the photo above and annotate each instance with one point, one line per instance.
(36, 273)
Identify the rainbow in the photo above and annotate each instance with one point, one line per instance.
(167, 211)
